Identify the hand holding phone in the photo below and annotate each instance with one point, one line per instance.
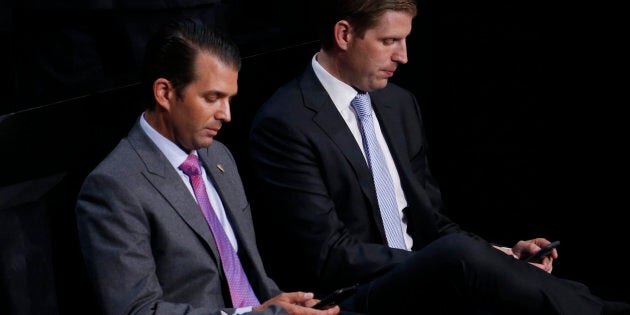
(543, 252)
(335, 297)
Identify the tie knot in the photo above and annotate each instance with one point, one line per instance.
(362, 106)
(190, 167)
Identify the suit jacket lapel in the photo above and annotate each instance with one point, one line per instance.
(224, 181)
(390, 126)
(168, 183)
(330, 121)
(396, 137)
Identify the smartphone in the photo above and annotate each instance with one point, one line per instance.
(543, 252)
(335, 297)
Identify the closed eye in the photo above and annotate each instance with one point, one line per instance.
(389, 41)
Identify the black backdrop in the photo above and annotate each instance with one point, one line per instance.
(520, 100)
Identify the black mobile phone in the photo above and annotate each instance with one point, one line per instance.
(545, 251)
(335, 297)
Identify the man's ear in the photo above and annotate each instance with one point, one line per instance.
(342, 34)
(163, 92)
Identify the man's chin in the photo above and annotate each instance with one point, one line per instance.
(206, 142)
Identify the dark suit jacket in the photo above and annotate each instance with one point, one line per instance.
(317, 189)
(146, 243)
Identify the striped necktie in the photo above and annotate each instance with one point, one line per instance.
(382, 179)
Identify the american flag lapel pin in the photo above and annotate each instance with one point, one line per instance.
(220, 167)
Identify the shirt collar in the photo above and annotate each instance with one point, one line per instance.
(340, 92)
(175, 155)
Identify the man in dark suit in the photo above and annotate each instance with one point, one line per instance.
(316, 171)
(148, 247)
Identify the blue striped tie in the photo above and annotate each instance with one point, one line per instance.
(382, 179)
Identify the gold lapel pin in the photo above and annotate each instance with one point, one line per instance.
(220, 167)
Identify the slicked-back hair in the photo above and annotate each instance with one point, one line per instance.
(362, 15)
(171, 54)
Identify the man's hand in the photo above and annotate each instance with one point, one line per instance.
(524, 249)
(297, 303)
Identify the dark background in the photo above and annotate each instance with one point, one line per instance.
(521, 101)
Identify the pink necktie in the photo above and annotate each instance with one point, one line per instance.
(240, 290)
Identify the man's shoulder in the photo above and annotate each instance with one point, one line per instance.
(121, 154)
(286, 100)
(295, 89)
(289, 91)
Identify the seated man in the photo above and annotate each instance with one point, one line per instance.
(164, 223)
(342, 178)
